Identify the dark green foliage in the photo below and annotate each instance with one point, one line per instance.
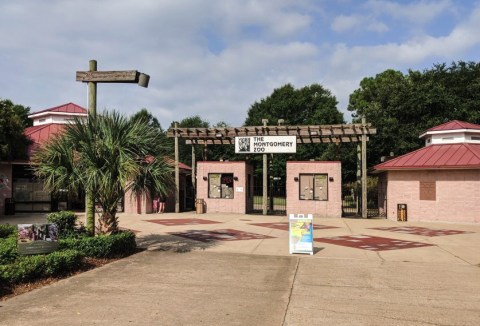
(310, 105)
(8, 249)
(13, 121)
(30, 268)
(403, 106)
(103, 246)
(65, 221)
(7, 230)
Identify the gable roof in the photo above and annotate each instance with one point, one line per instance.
(445, 156)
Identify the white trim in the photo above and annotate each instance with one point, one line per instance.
(450, 131)
(41, 114)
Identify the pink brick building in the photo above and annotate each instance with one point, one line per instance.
(314, 187)
(225, 187)
(439, 182)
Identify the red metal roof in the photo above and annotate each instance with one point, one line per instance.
(444, 156)
(41, 134)
(454, 125)
(65, 108)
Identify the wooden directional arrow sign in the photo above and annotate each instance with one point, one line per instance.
(126, 76)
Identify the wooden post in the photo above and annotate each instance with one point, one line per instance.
(358, 184)
(92, 110)
(194, 170)
(265, 178)
(177, 173)
(364, 170)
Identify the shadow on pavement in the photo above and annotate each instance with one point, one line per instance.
(158, 242)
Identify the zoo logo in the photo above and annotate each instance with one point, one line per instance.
(244, 144)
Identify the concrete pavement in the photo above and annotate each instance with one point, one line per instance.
(180, 281)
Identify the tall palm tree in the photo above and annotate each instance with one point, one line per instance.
(107, 156)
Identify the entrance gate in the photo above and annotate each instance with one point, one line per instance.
(277, 196)
(304, 135)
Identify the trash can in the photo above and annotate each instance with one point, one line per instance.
(200, 206)
(9, 206)
(402, 212)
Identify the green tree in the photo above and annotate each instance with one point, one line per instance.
(309, 105)
(401, 107)
(13, 121)
(106, 156)
(184, 150)
(146, 116)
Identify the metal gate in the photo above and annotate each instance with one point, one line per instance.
(352, 199)
(277, 199)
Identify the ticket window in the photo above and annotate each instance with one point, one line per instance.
(220, 185)
(313, 187)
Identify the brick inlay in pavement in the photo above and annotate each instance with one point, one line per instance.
(284, 226)
(182, 221)
(219, 235)
(372, 243)
(416, 230)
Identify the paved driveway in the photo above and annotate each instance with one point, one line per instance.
(238, 272)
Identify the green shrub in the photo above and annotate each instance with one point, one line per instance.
(7, 230)
(65, 221)
(103, 246)
(8, 249)
(30, 268)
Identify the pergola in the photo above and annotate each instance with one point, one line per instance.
(339, 133)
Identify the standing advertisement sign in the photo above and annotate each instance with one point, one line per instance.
(300, 228)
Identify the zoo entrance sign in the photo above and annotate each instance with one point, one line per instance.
(265, 144)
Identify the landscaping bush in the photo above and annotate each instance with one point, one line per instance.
(8, 249)
(7, 230)
(65, 221)
(30, 268)
(103, 246)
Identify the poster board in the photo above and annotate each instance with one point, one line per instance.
(37, 238)
(300, 233)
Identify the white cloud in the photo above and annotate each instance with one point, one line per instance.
(418, 12)
(349, 23)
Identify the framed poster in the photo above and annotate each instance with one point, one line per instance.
(300, 229)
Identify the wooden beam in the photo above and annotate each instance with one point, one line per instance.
(125, 76)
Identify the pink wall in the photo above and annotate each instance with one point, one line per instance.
(330, 208)
(144, 204)
(240, 203)
(457, 195)
(6, 186)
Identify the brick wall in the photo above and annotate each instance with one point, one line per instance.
(457, 195)
(329, 208)
(239, 203)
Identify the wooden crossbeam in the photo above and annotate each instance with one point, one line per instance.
(299, 131)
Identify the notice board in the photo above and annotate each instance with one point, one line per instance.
(300, 229)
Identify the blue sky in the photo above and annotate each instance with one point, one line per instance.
(215, 58)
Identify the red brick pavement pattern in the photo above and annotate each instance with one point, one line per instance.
(219, 235)
(182, 221)
(373, 243)
(284, 226)
(415, 230)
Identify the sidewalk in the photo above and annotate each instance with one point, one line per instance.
(256, 281)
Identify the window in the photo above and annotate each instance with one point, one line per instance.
(220, 185)
(313, 187)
